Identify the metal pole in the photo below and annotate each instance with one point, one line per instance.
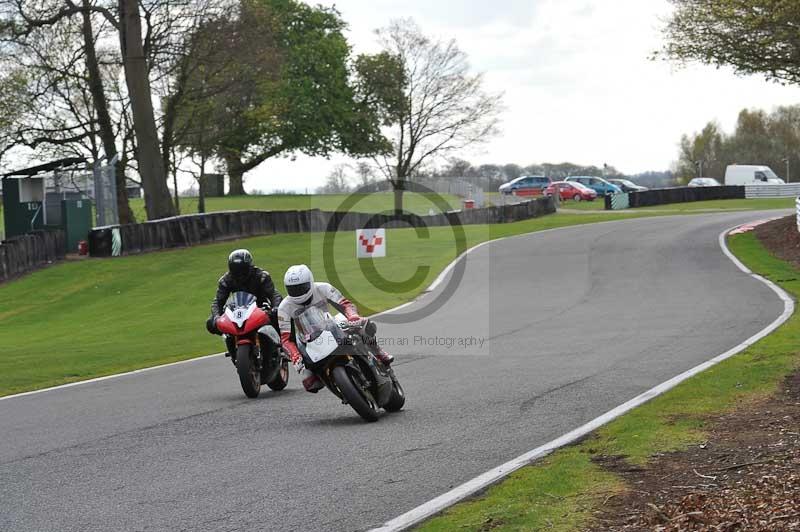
(98, 195)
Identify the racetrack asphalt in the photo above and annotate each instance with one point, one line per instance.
(574, 322)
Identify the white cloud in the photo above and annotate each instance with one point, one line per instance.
(577, 78)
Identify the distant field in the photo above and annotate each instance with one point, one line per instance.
(378, 202)
(421, 204)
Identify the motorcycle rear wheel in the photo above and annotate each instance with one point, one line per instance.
(364, 407)
(249, 375)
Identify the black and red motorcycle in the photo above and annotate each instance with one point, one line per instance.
(253, 344)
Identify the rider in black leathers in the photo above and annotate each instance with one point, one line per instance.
(243, 276)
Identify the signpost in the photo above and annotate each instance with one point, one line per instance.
(370, 243)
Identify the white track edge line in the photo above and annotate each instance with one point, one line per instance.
(430, 288)
(459, 493)
(107, 377)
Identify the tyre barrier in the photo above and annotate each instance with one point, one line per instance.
(25, 253)
(616, 202)
(194, 229)
(664, 196)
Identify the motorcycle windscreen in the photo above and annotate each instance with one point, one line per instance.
(240, 299)
(312, 322)
(322, 346)
(320, 334)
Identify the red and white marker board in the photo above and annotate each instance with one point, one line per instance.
(370, 243)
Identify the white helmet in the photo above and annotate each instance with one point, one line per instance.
(299, 281)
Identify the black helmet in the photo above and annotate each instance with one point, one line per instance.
(240, 264)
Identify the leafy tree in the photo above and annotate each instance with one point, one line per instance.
(784, 130)
(292, 90)
(752, 36)
(708, 148)
(751, 141)
(772, 139)
(512, 171)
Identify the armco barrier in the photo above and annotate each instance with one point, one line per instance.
(664, 196)
(787, 190)
(797, 212)
(25, 253)
(193, 229)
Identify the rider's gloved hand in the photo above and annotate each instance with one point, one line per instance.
(353, 317)
(299, 366)
(211, 325)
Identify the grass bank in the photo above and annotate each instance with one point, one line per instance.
(96, 317)
(560, 492)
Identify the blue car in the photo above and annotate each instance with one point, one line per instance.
(527, 185)
(598, 184)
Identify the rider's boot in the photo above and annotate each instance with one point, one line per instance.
(382, 355)
(311, 382)
(368, 335)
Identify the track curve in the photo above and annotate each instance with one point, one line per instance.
(573, 323)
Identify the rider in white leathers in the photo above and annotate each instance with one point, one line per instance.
(302, 293)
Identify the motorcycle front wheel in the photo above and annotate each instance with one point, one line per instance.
(363, 405)
(397, 399)
(281, 379)
(249, 375)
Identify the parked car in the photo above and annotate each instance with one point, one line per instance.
(527, 185)
(748, 174)
(574, 191)
(704, 182)
(598, 184)
(627, 185)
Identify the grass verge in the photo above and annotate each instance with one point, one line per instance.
(559, 492)
(756, 204)
(96, 317)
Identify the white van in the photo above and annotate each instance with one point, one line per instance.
(747, 174)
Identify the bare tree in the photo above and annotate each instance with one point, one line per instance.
(81, 84)
(79, 103)
(137, 78)
(100, 103)
(444, 107)
(366, 173)
(336, 182)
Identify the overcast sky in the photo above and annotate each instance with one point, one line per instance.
(578, 82)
